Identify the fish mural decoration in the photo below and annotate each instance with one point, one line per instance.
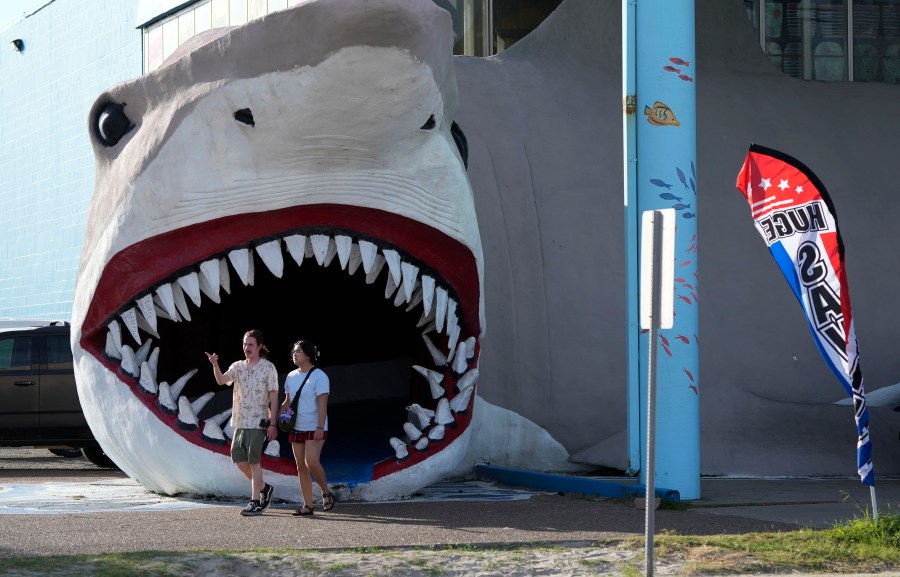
(660, 115)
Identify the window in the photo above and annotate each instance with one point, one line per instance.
(15, 353)
(830, 40)
(59, 353)
(480, 27)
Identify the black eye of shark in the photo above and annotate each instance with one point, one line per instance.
(112, 124)
(429, 124)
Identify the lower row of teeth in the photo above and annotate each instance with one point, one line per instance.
(424, 426)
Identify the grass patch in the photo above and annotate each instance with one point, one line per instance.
(862, 545)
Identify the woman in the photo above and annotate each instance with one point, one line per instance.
(311, 427)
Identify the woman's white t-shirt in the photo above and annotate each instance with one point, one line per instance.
(307, 408)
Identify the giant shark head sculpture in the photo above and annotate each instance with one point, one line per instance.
(301, 174)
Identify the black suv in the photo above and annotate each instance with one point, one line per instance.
(39, 404)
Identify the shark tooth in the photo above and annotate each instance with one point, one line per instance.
(270, 253)
(427, 294)
(224, 276)
(470, 347)
(460, 402)
(186, 417)
(411, 431)
(201, 401)
(376, 269)
(400, 296)
(442, 415)
(331, 253)
(241, 261)
(467, 380)
(210, 282)
(273, 449)
(320, 244)
(392, 257)
(400, 450)
(148, 309)
(415, 410)
(390, 287)
(177, 387)
(144, 325)
(212, 433)
(190, 284)
(343, 243)
(128, 365)
(153, 362)
(165, 400)
(167, 300)
(148, 380)
(296, 245)
(439, 358)
(436, 433)
(161, 310)
(110, 350)
(434, 380)
(460, 362)
(440, 308)
(220, 418)
(129, 317)
(422, 444)
(415, 300)
(143, 353)
(355, 259)
(180, 303)
(116, 332)
(367, 251)
(410, 274)
(451, 314)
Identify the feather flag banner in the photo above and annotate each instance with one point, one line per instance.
(796, 218)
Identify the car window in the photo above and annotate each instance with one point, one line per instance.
(15, 353)
(59, 352)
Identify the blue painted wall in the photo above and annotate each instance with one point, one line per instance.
(74, 49)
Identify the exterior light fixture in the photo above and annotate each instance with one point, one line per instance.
(18, 45)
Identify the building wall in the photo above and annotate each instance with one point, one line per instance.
(74, 50)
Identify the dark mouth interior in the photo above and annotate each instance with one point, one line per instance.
(368, 347)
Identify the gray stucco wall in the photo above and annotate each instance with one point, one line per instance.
(544, 122)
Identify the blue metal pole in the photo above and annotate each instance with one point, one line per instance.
(632, 287)
(666, 177)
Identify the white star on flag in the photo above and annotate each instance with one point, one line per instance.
(765, 184)
(783, 185)
(799, 189)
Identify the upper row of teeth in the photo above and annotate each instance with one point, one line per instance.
(404, 283)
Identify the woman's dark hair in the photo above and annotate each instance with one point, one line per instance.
(309, 349)
(260, 340)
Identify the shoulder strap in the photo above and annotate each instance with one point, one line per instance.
(296, 400)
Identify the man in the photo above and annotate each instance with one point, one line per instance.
(253, 414)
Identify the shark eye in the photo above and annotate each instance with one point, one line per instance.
(245, 116)
(461, 143)
(429, 124)
(112, 124)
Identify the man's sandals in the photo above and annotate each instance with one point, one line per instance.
(327, 501)
(303, 511)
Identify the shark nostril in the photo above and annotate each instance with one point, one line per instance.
(429, 124)
(245, 116)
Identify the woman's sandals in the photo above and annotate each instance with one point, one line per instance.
(303, 511)
(327, 501)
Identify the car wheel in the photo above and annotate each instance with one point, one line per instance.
(96, 456)
(67, 452)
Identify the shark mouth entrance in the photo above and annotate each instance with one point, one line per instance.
(393, 305)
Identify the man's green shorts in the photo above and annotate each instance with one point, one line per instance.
(247, 444)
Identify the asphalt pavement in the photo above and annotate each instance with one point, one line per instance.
(53, 505)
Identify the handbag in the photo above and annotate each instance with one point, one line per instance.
(288, 417)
